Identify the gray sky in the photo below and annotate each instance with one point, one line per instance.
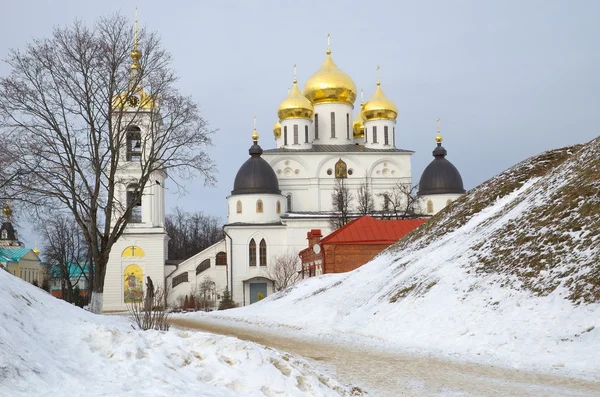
(509, 79)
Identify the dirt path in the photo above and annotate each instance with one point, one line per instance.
(392, 374)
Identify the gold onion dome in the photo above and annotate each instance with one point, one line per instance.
(358, 124)
(277, 130)
(330, 84)
(295, 106)
(379, 107)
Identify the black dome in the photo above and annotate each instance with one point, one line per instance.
(256, 175)
(440, 176)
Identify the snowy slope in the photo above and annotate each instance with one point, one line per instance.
(49, 348)
(509, 274)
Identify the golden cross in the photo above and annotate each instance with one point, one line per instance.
(362, 96)
(328, 43)
(254, 120)
(135, 30)
(438, 124)
(295, 81)
(378, 81)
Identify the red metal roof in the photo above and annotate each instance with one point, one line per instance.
(368, 230)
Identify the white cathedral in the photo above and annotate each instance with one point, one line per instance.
(278, 194)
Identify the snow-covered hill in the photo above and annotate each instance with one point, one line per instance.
(49, 348)
(509, 274)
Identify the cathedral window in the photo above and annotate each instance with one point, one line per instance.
(278, 208)
(316, 126)
(134, 204)
(252, 253)
(332, 124)
(295, 134)
(347, 126)
(205, 265)
(374, 134)
(221, 259)
(430, 207)
(134, 143)
(305, 134)
(386, 140)
(263, 252)
(238, 208)
(285, 135)
(182, 278)
(259, 206)
(289, 202)
(394, 136)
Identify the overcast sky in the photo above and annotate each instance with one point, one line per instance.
(509, 79)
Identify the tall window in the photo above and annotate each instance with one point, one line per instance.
(386, 140)
(394, 136)
(305, 134)
(285, 135)
(134, 143)
(430, 207)
(374, 134)
(347, 126)
(278, 208)
(263, 252)
(386, 202)
(295, 134)
(221, 259)
(289, 202)
(4, 235)
(332, 124)
(205, 265)
(259, 206)
(134, 203)
(252, 252)
(238, 207)
(316, 126)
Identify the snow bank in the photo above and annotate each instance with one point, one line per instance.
(427, 296)
(49, 348)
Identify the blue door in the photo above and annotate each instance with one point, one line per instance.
(255, 290)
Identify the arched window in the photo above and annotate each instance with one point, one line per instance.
(347, 126)
(134, 143)
(429, 207)
(182, 278)
(221, 259)
(386, 138)
(332, 124)
(278, 208)
(134, 204)
(285, 135)
(252, 252)
(288, 198)
(295, 134)
(316, 126)
(204, 265)
(374, 134)
(448, 202)
(259, 206)
(5, 233)
(238, 208)
(263, 252)
(305, 134)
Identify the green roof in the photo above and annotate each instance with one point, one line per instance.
(12, 254)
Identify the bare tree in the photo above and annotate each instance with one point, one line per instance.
(206, 294)
(65, 254)
(190, 233)
(284, 270)
(341, 201)
(150, 312)
(401, 202)
(64, 113)
(364, 197)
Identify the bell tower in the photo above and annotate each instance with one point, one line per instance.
(141, 250)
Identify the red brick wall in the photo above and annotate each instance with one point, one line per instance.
(344, 258)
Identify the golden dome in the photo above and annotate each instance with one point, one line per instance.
(36, 250)
(295, 106)
(379, 107)
(330, 84)
(358, 124)
(277, 130)
(255, 135)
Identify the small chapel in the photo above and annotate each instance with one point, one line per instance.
(279, 193)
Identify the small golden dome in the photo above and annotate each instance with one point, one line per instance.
(277, 130)
(358, 126)
(6, 210)
(295, 106)
(330, 84)
(379, 107)
(36, 250)
(438, 138)
(255, 136)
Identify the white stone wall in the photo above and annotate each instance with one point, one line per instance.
(216, 273)
(343, 123)
(249, 207)
(438, 201)
(288, 125)
(380, 125)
